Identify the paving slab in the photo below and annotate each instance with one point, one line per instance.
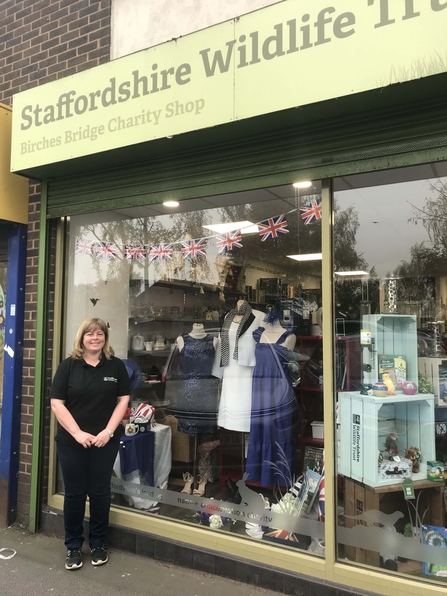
(37, 569)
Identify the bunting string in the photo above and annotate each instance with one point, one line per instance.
(268, 229)
(228, 241)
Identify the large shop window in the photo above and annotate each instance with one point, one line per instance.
(215, 306)
(390, 276)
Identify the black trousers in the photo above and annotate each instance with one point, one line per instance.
(86, 472)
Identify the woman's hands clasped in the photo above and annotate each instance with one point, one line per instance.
(101, 439)
(88, 440)
(84, 439)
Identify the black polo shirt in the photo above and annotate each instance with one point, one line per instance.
(90, 393)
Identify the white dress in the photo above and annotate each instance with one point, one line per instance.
(235, 398)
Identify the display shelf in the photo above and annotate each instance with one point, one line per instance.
(358, 499)
(435, 370)
(310, 390)
(186, 286)
(366, 421)
(390, 335)
(312, 441)
(179, 319)
(154, 353)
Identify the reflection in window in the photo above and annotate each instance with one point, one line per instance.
(216, 309)
(390, 300)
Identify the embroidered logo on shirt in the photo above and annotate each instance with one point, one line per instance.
(111, 379)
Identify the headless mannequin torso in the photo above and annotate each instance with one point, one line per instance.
(197, 332)
(238, 318)
(273, 332)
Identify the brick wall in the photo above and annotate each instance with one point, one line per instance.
(41, 41)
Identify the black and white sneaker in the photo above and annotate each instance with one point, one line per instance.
(99, 555)
(74, 559)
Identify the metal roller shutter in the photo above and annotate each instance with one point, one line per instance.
(368, 141)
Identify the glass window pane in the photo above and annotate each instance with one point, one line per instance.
(216, 308)
(391, 364)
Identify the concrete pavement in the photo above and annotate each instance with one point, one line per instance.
(38, 569)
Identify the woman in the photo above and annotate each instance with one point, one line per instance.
(89, 397)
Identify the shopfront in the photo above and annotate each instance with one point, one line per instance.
(274, 279)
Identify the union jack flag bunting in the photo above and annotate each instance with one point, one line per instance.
(106, 250)
(228, 241)
(160, 252)
(322, 498)
(311, 212)
(283, 535)
(84, 247)
(135, 253)
(194, 248)
(272, 227)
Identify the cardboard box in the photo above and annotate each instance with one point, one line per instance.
(434, 536)
(435, 471)
(395, 366)
(317, 430)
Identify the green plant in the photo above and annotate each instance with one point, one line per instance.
(424, 385)
(408, 531)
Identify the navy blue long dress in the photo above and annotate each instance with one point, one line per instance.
(197, 399)
(272, 416)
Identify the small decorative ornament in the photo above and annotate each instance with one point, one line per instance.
(409, 388)
(380, 389)
(389, 383)
(215, 522)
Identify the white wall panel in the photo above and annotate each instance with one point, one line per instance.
(140, 24)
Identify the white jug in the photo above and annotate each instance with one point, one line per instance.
(137, 342)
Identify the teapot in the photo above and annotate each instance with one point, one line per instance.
(160, 342)
(137, 343)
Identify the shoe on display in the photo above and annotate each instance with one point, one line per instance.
(188, 480)
(99, 555)
(74, 559)
(200, 490)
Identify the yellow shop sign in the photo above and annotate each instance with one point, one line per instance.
(14, 190)
(290, 54)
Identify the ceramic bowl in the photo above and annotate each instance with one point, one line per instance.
(380, 389)
(409, 388)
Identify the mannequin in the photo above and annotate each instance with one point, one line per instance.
(273, 406)
(197, 332)
(197, 397)
(273, 331)
(239, 305)
(234, 363)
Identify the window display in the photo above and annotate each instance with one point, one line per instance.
(391, 296)
(218, 312)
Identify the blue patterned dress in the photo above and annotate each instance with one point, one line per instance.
(273, 411)
(197, 399)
